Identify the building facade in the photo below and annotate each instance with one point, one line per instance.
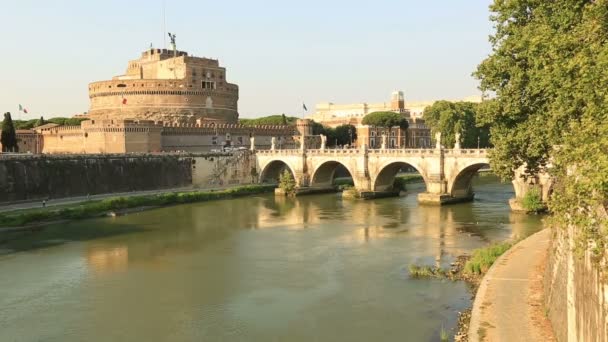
(168, 86)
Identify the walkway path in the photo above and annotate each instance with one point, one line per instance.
(73, 200)
(509, 303)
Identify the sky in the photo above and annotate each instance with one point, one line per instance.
(280, 53)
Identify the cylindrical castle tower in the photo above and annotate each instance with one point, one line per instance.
(161, 87)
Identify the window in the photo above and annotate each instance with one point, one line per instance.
(214, 140)
(208, 85)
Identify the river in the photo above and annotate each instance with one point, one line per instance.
(314, 268)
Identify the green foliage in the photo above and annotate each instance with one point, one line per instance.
(66, 121)
(98, 208)
(443, 335)
(40, 122)
(450, 118)
(426, 271)
(8, 136)
(533, 201)
(385, 119)
(345, 134)
(274, 120)
(287, 183)
(483, 258)
(29, 124)
(21, 124)
(549, 72)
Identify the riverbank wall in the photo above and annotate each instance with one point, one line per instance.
(576, 296)
(38, 177)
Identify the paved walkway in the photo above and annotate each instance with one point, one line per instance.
(73, 200)
(509, 303)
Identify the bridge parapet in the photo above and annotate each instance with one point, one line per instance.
(404, 152)
(334, 152)
(467, 152)
(286, 152)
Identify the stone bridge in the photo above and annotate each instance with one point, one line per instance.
(447, 173)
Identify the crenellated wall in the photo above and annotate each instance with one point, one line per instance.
(126, 136)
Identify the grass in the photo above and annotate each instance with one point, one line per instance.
(97, 208)
(443, 334)
(426, 272)
(483, 258)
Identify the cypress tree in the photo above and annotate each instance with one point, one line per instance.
(40, 122)
(8, 137)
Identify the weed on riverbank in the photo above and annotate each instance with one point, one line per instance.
(467, 268)
(98, 208)
(483, 258)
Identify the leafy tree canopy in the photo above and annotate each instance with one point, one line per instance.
(549, 73)
(386, 120)
(450, 118)
(280, 119)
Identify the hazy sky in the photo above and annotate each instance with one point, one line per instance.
(280, 53)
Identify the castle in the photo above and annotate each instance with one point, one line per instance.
(166, 101)
(167, 86)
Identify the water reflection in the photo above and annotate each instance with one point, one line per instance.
(251, 269)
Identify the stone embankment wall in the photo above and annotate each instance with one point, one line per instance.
(37, 177)
(576, 296)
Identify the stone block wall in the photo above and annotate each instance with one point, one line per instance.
(576, 295)
(38, 177)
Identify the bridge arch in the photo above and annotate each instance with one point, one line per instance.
(461, 185)
(384, 179)
(324, 174)
(272, 171)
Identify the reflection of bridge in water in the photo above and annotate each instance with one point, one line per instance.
(447, 173)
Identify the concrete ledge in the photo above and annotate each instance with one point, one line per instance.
(368, 195)
(442, 199)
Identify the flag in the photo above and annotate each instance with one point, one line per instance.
(20, 108)
(304, 106)
(25, 110)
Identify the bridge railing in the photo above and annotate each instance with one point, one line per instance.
(385, 152)
(469, 152)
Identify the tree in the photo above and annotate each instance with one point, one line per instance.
(287, 183)
(386, 120)
(548, 71)
(8, 137)
(450, 118)
(40, 122)
(345, 134)
(280, 119)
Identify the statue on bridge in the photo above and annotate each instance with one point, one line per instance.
(457, 144)
(323, 142)
(273, 143)
(383, 141)
(438, 140)
(252, 143)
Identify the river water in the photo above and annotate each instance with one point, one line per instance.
(260, 268)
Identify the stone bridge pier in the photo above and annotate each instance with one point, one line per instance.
(447, 173)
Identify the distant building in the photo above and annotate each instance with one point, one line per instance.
(418, 135)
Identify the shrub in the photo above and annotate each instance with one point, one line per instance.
(287, 183)
(533, 201)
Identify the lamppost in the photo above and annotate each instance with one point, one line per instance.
(350, 135)
(478, 142)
